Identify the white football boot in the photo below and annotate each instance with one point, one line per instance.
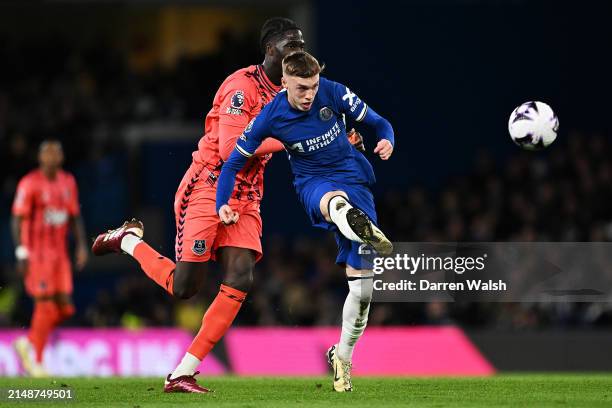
(24, 350)
(342, 371)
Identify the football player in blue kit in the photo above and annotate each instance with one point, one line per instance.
(331, 178)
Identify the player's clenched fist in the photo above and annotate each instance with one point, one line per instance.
(384, 149)
(227, 215)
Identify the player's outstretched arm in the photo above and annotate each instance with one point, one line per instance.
(384, 133)
(355, 108)
(246, 146)
(225, 186)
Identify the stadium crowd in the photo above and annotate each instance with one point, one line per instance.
(85, 97)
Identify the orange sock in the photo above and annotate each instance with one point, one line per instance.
(45, 317)
(157, 267)
(217, 320)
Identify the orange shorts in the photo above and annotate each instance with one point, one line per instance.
(48, 275)
(199, 232)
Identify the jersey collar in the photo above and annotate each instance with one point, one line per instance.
(266, 81)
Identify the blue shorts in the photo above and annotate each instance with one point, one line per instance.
(350, 252)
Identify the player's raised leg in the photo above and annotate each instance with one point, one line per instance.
(353, 223)
(182, 279)
(128, 239)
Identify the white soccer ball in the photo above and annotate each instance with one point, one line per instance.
(533, 125)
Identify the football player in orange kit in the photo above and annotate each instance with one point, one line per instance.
(46, 203)
(200, 235)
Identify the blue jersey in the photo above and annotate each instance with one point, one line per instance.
(315, 140)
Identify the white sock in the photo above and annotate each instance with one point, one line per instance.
(129, 242)
(354, 315)
(338, 207)
(187, 366)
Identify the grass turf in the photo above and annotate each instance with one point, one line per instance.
(517, 390)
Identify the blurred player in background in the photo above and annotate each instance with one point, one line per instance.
(200, 235)
(332, 181)
(46, 203)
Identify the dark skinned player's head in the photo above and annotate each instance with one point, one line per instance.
(50, 155)
(280, 37)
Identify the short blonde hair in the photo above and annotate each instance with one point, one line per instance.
(301, 64)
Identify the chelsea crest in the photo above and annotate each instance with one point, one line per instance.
(325, 114)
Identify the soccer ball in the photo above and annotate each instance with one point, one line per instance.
(533, 125)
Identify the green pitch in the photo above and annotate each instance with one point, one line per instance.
(541, 390)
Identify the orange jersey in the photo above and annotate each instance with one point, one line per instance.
(239, 99)
(46, 206)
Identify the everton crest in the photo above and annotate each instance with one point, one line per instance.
(199, 247)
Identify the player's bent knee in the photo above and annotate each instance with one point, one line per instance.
(188, 278)
(238, 264)
(324, 203)
(184, 292)
(240, 276)
(184, 288)
(242, 283)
